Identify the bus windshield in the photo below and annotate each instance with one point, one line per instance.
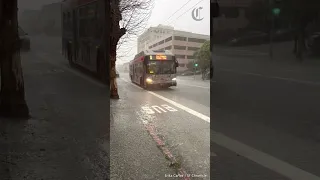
(161, 67)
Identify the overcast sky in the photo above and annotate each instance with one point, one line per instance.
(163, 9)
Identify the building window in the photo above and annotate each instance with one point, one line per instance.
(168, 39)
(161, 42)
(193, 48)
(179, 47)
(182, 65)
(196, 40)
(88, 21)
(180, 56)
(168, 48)
(180, 38)
(190, 57)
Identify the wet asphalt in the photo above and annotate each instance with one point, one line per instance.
(271, 106)
(67, 136)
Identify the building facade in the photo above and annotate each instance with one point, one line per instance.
(182, 44)
(153, 33)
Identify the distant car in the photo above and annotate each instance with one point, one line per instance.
(250, 38)
(313, 43)
(24, 39)
(117, 74)
(282, 35)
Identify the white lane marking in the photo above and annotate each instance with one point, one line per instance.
(44, 56)
(190, 111)
(204, 87)
(169, 108)
(248, 152)
(273, 77)
(159, 109)
(261, 158)
(147, 110)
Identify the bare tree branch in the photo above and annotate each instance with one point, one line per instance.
(135, 16)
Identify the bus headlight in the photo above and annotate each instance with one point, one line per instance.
(174, 79)
(149, 80)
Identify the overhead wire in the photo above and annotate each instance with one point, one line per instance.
(178, 10)
(186, 11)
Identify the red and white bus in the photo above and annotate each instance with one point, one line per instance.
(154, 68)
(83, 24)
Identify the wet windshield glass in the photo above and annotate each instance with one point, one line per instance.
(161, 67)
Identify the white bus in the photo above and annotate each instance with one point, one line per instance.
(154, 69)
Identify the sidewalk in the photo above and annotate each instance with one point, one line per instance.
(68, 134)
(134, 154)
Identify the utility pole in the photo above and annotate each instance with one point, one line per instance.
(275, 11)
(215, 10)
(195, 70)
(271, 4)
(271, 38)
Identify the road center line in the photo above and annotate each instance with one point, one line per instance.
(204, 87)
(261, 158)
(248, 152)
(272, 77)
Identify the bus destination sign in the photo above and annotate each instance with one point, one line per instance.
(158, 57)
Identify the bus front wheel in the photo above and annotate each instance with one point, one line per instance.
(144, 84)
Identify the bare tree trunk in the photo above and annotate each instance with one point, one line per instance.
(295, 44)
(301, 46)
(116, 34)
(12, 95)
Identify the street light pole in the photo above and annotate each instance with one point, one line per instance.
(271, 31)
(194, 70)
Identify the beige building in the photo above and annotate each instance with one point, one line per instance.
(182, 44)
(153, 33)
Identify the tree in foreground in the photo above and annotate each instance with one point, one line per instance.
(202, 56)
(12, 95)
(132, 15)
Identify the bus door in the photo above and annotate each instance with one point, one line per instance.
(145, 70)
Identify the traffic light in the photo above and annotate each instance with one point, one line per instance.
(276, 11)
(196, 64)
(276, 7)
